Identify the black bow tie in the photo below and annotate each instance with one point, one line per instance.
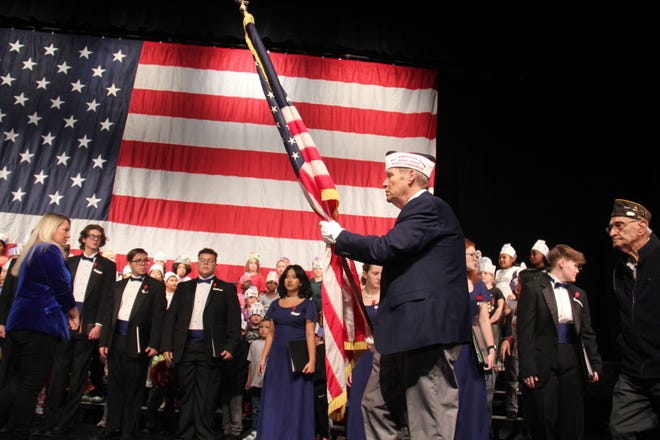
(136, 279)
(90, 259)
(199, 280)
(564, 285)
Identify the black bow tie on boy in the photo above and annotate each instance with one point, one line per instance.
(90, 259)
(207, 281)
(564, 285)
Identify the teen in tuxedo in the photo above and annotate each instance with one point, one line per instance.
(130, 336)
(554, 335)
(201, 333)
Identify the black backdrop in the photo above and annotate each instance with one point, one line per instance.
(545, 115)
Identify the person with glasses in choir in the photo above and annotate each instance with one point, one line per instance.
(130, 336)
(201, 334)
(477, 394)
(635, 410)
(93, 280)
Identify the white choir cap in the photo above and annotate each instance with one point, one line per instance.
(486, 265)
(507, 249)
(542, 248)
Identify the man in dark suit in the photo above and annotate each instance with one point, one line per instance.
(423, 317)
(93, 279)
(556, 344)
(202, 330)
(130, 336)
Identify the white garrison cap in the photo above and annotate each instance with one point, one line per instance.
(252, 291)
(157, 267)
(272, 276)
(542, 248)
(486, 265)
(508, 250)
(423, 163)
(257, 309)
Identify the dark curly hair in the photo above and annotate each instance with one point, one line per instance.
(85, 232)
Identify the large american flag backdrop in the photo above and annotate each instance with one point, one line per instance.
(172, 147)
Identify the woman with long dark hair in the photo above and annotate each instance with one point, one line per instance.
(287, 398)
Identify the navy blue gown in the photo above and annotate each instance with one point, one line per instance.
(473, 420)
(286, 411)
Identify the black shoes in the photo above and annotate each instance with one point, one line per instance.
(55, 432)
(107, 434)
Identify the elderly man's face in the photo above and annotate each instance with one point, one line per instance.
(624, 231)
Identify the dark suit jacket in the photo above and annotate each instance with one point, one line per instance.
(221, 320)
(8, 292)
(145, 322)
(424, 295)
(98, 296)
(537, 328)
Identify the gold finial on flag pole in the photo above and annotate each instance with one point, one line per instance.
(242, 5)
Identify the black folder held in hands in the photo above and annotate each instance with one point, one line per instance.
(299, 355)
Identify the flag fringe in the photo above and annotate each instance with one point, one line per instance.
(337, 407)
(355, 346)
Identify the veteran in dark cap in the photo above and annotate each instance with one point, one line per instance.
(635, 409)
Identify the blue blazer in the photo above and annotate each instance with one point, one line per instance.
(44, 293)
(424, 295)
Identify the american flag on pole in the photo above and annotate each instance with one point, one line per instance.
(342, 311)
(171, 148)
(345, 321)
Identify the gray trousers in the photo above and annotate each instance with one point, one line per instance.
(417, 388)
(635, 408)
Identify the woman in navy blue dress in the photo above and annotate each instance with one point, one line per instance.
(286, 411)
(473, 421)
(360, 374)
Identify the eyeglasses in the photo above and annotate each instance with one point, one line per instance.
(206, 261)
(476, 254)
(619, 225)
(94, 237)
(142, 261)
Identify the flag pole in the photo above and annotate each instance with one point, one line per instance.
(346, 320)
(247, 16)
